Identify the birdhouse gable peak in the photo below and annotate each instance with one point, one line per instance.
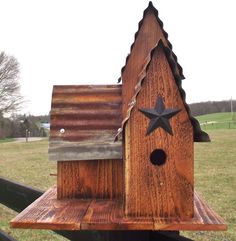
(152, 10)
(199, 135)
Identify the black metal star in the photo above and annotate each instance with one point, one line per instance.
(159, 116)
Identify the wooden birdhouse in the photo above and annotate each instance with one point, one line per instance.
(125, 152)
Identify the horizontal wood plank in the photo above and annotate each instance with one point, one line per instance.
(85, 214)
(72, 151)
(49, 213)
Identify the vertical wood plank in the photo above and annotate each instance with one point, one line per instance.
(159, 191)
(90, 179)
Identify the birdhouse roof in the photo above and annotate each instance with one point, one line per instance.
(199, 135)
(84, 121)
(152, 9)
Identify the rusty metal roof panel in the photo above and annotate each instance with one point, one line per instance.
(84, 121)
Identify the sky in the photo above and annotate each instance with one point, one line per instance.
(86, 42)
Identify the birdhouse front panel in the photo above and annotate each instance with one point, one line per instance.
(159, 146)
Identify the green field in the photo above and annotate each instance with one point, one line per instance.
(215, 179)
(6, 140)
(224, 120)
(26, 163)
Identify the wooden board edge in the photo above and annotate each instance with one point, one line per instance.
(123, 223)
(15, 223)
(189, 227)
(222, 225)
(45, 226)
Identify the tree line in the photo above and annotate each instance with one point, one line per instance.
(209, 107)
(21, 125)
(11, 101)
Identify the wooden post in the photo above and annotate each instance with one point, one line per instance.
(26, 135)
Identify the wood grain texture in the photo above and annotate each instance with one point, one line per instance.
(148, 36)
(90, 179)
(75, 151)
(78, 214)
(161, 191)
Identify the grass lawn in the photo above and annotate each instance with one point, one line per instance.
(222, 120)
(215, 179)
(218, 117)
(26, 163)
(6, 140)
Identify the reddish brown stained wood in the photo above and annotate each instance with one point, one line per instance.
(103, 215)
(108, 215)
(148, 36)
(161, 191)
(90, 179)
(202, 214)
(49, 213)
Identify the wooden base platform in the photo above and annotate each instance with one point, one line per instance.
(75, 214)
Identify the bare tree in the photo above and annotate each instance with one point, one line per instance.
(10, 97)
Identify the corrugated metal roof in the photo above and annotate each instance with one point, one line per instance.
(84, 121)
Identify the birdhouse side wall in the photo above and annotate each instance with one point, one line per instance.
(90, 179)
(165, 190)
